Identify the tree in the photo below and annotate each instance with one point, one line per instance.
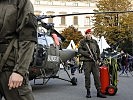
(71, 33)
(114, 27)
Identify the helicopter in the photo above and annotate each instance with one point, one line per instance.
(48, 54)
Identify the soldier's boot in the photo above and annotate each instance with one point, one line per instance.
(88, 95)
(100, 95)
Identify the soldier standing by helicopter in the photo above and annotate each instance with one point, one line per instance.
(17, 40)
(90, 54)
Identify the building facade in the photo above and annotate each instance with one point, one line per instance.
(62, 7)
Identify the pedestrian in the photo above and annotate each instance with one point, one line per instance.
(80, 67)
(90, 55)
(18, 36)
(130, 63)
(73, 65)
(124, 64)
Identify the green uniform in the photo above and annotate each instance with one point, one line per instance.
(17, 22)
(88, 63)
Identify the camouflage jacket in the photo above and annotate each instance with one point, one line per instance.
(17, 20)
(84, 51)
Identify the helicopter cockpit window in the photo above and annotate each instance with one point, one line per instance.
(45, 40)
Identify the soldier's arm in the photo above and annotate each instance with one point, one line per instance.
(27, 36)
(83, 51)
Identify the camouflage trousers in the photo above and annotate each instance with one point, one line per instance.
(90, 67)
(23, 92)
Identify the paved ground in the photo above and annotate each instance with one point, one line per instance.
(60, 90)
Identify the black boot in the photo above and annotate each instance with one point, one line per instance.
(99, 94)
(88, 94)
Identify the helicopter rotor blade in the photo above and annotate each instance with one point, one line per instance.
(90, 13)
(107, 12)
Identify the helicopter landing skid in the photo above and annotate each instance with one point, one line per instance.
(45, 79)
(72, 80)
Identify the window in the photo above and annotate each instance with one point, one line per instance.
(50, 20)
(63, 20)
(37, 2)
(87, 20)
(45, 40)
(75, 20)
(75, 4)
(50, 2)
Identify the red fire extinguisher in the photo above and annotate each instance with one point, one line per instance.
(106, 86)
(104, 78)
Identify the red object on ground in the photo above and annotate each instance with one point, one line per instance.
(104, 78)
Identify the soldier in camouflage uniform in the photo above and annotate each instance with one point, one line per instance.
(17, 40)
(90, 62)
